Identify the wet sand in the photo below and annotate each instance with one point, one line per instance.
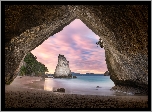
(19, 95)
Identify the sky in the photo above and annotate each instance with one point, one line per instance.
(78, 44)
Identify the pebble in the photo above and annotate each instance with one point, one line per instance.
(46, 99)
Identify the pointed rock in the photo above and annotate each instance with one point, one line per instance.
(62, 69)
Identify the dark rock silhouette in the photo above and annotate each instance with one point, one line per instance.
(74, 76)
(107, 73)
(98, 87)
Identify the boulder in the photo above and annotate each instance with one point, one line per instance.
(98, 87)
(61, 90)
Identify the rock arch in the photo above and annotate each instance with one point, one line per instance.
(123, 29)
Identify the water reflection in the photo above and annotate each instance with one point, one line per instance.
(72, 87)
(79, 87)
(49, 85)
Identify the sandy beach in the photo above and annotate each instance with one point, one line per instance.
(21, 94)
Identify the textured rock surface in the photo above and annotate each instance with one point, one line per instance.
(62, 68)
(28, 24)
(107, 73)
(123, 30)
(130, 90)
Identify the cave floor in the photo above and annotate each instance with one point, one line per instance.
(18, 97)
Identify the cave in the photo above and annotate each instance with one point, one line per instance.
(122, 28)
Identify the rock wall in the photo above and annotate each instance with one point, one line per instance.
(124, 32)
(122, 28)
(27, 26)
(62, 68)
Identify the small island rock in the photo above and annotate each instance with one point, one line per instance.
(74, 77)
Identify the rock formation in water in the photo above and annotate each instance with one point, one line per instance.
(62, 69)
(107, 73)
(123, 30)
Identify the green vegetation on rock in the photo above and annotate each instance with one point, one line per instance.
(32, 66)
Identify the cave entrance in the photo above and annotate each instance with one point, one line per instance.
(38, 33)
(78, 44)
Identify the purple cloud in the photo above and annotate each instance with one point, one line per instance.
(78, 44)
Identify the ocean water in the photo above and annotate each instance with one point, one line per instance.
(84, 85)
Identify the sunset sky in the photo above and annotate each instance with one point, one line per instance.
(78, 44)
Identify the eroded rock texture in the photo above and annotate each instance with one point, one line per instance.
(62, 68)
(122, 28)
(26, 27)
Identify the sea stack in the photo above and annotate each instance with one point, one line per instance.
(62, 69)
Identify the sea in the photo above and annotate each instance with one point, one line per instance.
(84, 85)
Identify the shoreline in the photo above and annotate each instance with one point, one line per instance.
(19, 95)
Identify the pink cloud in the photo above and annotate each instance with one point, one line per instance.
(77, 43)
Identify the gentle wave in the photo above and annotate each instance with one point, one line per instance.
(82, 85)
